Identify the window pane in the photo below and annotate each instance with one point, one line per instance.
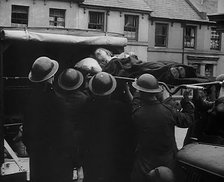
(130, 21)
(161, 33)
(20, 9)
(189, 37)
(51, 18)
(160, 41)
(161, 29)
(192, 32)
(19, 15)
(52, 23)
(131, 27)
(209, 70)
(57, 17)
(96, 20)
(215, 39)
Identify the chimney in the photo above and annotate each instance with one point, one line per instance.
(220, 6)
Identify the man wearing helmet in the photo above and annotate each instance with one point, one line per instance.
(155, 124)
(108, 133)
(43, 126)
(70, 90)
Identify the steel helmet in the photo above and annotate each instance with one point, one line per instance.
(102, 84)
(43, 69)
(70, 79)
(161, 174)
(147, 83)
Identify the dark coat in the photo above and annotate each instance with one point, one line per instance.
(74, 106)
(201, 113)
(48, 138)
(155, 123)
(214, 131)
(109, 144)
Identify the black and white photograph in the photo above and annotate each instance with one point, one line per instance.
(111, 90)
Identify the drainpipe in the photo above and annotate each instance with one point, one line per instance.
(106, 22)
(183, 25)
(1, 106)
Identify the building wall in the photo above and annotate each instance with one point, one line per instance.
(174, 50)
(140, 47)
(39, 12)
(115, 22)
(175, 36)
(77, 17)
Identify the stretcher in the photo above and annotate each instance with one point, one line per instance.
(20, 47)
(176, 88)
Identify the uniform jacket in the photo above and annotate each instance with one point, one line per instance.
(156, 146)
(74, 104)
(108, 140)
(48, 137)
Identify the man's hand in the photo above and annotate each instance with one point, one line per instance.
(186, 102)
(186, 95)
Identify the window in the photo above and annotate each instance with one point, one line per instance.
(19, 17)
(131, 27)
(190, 37)
(57, 17)
(215, 39)
(96, 20)
(161, 33)
(209, 70)
(203, 69)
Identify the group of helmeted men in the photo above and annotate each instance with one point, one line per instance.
(74, 120)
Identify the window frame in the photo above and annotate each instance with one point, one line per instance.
(214, 39)
(204, 67)
(210, 71)
(14, 20)
(190, 37)
(55, 21)
(126, 32)
(160, 35)
(97, 24)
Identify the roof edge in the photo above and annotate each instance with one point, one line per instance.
(200, 22)
(114, 8)
(215, 14)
